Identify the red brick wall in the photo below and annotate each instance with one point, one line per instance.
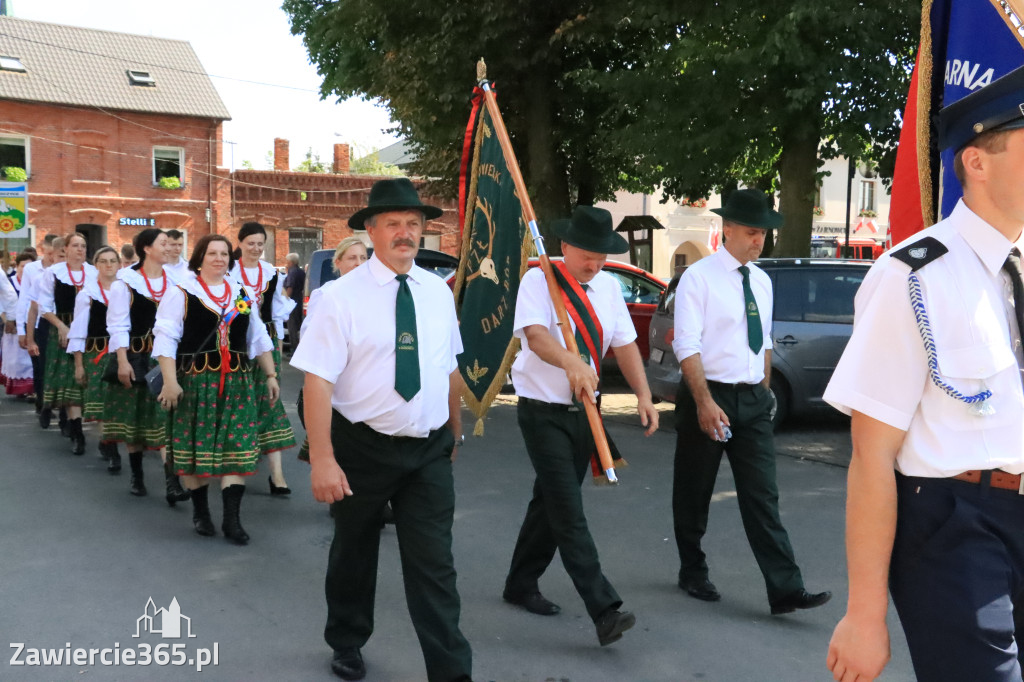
(91, 167)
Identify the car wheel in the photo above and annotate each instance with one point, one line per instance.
(780, 390)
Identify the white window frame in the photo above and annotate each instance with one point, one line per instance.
(6, 139)
(864, 184)
(180, 151)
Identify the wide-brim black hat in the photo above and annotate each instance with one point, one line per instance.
(590, 229)
(750, 207)
(393, 194)
(997, 106)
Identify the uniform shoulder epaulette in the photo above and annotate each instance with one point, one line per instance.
(920, 253)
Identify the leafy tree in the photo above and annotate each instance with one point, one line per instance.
(247, 165)
(312, 164)
(370, 164)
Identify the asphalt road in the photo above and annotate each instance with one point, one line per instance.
(80, 558)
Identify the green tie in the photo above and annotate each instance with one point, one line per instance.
(407, 359)
(755, 336)
(581, 346)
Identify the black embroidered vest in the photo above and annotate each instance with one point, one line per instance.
(64, 300)
(198, 323)
(97, 320)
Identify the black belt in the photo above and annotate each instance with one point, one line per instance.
(732, 387)
(541, 405)
(374, 433)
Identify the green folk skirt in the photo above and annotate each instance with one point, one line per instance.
(132, 415)
(211, 434)
(60, 388)
(275, 431)
(95, 389)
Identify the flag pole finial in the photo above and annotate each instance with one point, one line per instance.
(481, 70)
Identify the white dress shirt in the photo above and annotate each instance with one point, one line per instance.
(179, 271)
(282, 306)
(59, 272)
(884, 371)
(349, 340)
(536, 379)
(29, 274)
(130, 282)
(79, 329)
(711, 319)
(8, 298)
(170, 318)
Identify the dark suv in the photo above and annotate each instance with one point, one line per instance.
(812, 321)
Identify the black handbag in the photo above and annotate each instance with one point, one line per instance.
(139, 364)
(155, 381)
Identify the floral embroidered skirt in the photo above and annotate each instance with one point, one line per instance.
(275, 431)
(213, 434)
(132, 415)
(95, 388)
(59, 386)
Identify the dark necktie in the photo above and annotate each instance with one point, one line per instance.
(407, 359)
(1012, 267)
(581, 346)
(755, 335)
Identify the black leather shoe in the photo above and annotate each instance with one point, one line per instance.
(801, 599)
(278, 490)
(534, 602)
(702, 589)
(348, 664)
(45, 416)
(612, 624)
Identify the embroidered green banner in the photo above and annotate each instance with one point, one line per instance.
(493, 261)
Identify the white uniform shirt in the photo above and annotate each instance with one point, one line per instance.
(349, 340)
(8, 298)
(79, 329)
(131, 282)
(884, 371)
(536, 379)
(29, 274)
(59, 271)
(179, 271)
(170, 318)
(710, 318)
(282, 306)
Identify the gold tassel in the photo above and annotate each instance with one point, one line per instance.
(620, 463)
(478, 430)
(601, 480)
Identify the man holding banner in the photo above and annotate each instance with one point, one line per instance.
(935, 496)
(551, 383)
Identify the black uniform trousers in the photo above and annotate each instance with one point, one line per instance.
(42, 338)
(751, 452)
(957, 578)
(415, 474)
(560, 445)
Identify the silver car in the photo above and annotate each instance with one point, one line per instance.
(812, 321)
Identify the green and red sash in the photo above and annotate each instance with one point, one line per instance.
(589, 333)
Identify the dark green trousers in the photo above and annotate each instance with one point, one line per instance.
(415, 474)
(559, 443)
(751, 452)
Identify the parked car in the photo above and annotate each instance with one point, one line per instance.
(321, 269)
(811, 323)
(640, 290)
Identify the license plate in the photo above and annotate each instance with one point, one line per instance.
(656, 355)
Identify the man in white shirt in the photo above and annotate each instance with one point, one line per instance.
(934, 492)
(28, 318)
(551, 383)
(176, 265)
(382, 411)
(723, 323)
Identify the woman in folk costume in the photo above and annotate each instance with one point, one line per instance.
(16, 367)
(87, 343)
(206, 340)
(58, 288)
(261, 280)
(131, 414)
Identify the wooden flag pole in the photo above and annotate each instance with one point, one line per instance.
(593, 416)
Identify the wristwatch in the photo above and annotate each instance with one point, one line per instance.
(461, 441)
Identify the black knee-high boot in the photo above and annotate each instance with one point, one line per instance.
(201, 511)
(232, 526)
(63, 423)
(113, 458)
(137, 486)
(77, 437)
(175, 493)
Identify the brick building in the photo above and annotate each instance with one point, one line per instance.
(97, 118)
(307, 211)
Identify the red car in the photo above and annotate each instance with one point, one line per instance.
(640, 289)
